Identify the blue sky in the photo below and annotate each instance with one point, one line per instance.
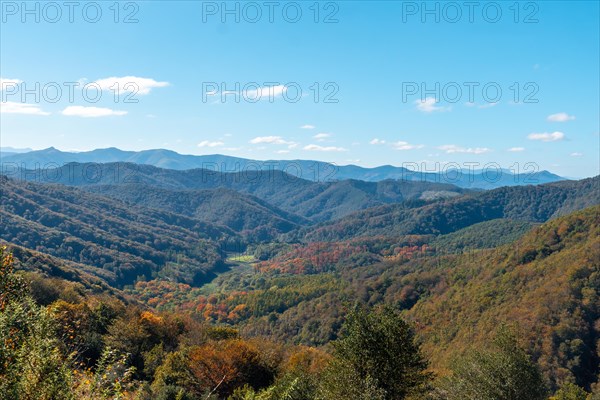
(369, 62)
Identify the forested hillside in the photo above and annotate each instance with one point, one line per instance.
(525, 203)
(149, 279)
(127, 241)
(243, 213)
(317, 201)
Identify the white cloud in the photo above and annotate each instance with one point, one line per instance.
(307, 126)
(11, 107)
(322, 136)
(516, 149)
(429, 105)
(316, 147)
(406, 146)
(399, 145)
(6, 82)
(90, 112)
(452, 148)
(377, 141)
(576, 154)
(207, 143)
(547, 137)
(133, 84)
(560, 117)
(278, 140)
(282, 151)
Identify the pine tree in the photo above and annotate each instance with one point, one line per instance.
(376, 358)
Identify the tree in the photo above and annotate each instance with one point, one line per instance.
(377, 358)
(504, 372)
(570, 391)
(31, 365)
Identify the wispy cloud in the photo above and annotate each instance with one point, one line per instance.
(316, 147)
(132, 84)
(429, 105)
(377, 141)
(452, 148)
(547, 137)
(7, 82)
(307, 126)
(400, 145)
(576, 154)
(91, 112)
(208, 143)
(321, 137)
(11, 107)
(560, 117)
(274, 140)
(516, 149)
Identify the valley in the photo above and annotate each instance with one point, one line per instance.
(286, 262)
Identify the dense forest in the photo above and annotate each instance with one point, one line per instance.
(180, 287)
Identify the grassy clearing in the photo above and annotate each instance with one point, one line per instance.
(242, 258)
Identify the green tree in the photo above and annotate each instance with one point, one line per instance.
(503, 372)
(376, 357)
(31, 365)
(570, 391)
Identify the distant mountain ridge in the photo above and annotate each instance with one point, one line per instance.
(524, 203)
(317, 201)
(306, 169)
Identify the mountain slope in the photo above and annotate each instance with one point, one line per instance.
(127, 240)
(252, 217)
(549, 284)
(317, 201)
(90, 279)
(525, 203)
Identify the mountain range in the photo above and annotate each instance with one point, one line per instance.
(317, 201)
(318, 171)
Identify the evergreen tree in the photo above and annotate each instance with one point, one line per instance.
(376, 358)
(504, 372)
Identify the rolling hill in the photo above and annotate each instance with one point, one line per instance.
(129, 241)
(243, 213)
(524, 203)
(317, 201)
